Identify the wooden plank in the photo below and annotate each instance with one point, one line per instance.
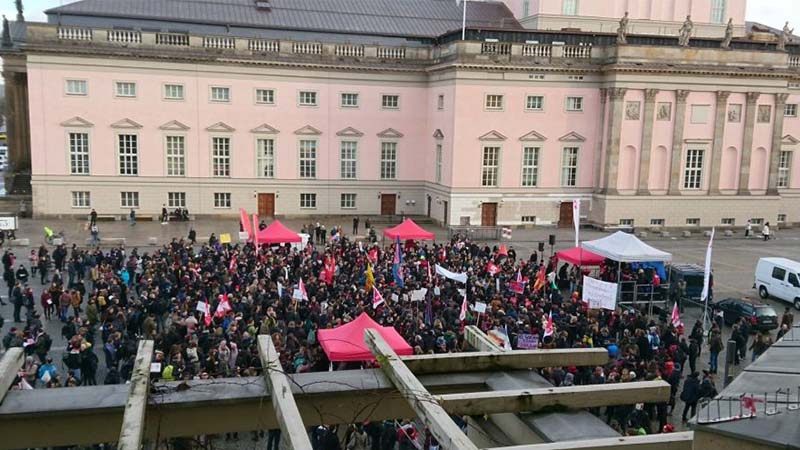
(437, 420)
(514, 360)
(666, 441)
(130, 436)
(289, 419)
(9, 367)
(479, 340)
(572, 397)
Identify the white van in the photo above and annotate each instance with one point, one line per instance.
(779, 278)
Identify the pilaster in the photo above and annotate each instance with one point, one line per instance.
(647, 140)
(719, 134)
(677, 142)
(617, 97)
(777, 138)
(598, 154)
(747, 144)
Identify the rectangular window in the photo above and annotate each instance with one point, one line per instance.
(222, 199)
(176, 156)
(657, 222)
(347, 157)
(626, 222)
(129, 199)
(757, 221)
(494, 102)
(125, 89)
(528, 219)
(265, 96)
(308, 158)
(176, 199)
(530, 166)
(790, 110)
(526, 8)
(693, 221)
(265, 158)
(490, 166)
(781, 218)
(76, 87)
(693, 170)
(784, 169)
(729, 221)
(220, 94)
(575, 104)
(128, 150)
(349, 100)
(81, 199)
(569, 167)
(348, 201)
(308, 201)
(440, 102)
(534, 103)
(439, 156)
(221, 156)
(570, 8)
(173, 91)
(388, 160)
(307, 98)
(717, 11)
(390, 102)
(79, 153)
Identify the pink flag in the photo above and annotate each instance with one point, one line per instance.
(233, 264)
(377, 299)
(208, 313)
(302, 287)
(224, 306)
(430, 277)
(676, 317)
(492, 268)
(548, 326)
(463, 314)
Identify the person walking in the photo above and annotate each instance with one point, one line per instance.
(765, 231)
(355, 225)
(715, 346)
(164, 214)
(93, 218)
(748, 229)
(690, 395)
(132, 217)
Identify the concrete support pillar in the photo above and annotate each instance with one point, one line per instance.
(747, 145)
(17, 126)
(720, 120)
(677, 142)
(777, 138)
(647, 140)
(617, 97)
(598, 154)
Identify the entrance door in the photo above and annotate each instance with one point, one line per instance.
(489, 214)
(565, 215)
(266, 205)
(388, 204)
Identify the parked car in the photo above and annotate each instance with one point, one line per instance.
(779, 278)
(762, 317)
(694, 276)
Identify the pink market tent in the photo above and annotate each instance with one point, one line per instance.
(346, 343)
(277, 233)
(580, 257)
(409, 230)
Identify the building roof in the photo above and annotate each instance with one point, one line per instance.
(412, 18)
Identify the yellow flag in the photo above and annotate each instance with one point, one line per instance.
(370, 279)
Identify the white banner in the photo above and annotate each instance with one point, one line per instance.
(707, 280)
(599, 294)
(418, 295)
(460, 277)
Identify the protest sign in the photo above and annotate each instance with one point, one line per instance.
(480, 307)
(527, 341)
(599, 294)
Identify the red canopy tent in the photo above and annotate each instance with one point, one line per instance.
(346, 343)
(409, 230)
(277, 233)
(580, 257)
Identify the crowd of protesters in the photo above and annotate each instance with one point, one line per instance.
(204, 306)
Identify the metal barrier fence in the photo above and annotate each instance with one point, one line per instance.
(475, 233)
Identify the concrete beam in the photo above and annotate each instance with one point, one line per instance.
(479, 340)
(9, 367)
(667, 441)
(425, 406)
(281, 394)
(132, 430)
(572, 397)
(515, 360)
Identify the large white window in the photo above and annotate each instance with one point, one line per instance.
(81, 199)
(173, 91)
(79, 153)
(790, 110)
(718, 11)
(526, 8)
(569, 166)
(693, 170)
(222, 199)
(494, 102)
(530, 166)
(220, 94)
(308, 158)
(176, 199)
(265, 158)
(349, 100)
(439, 163)
(307, 98)
(76, 87)
(348, 201)
(308, 201)
(388, 160)
(570, 8)
(265, 96)
(390, 101)
(575, 104)
(125, 89)
(129, 199)
(534, 103)
(490, 166)
(176, 156)
(784, 169)
(347, 156)
(221, 156)
(128, 150)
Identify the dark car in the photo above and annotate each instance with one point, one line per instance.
(694, 276)
(762, 317)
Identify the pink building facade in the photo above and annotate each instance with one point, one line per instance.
(507, 127)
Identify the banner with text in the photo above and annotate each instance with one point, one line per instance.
(599, 294)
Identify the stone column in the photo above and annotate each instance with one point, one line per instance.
(747, 145)
(777, 139)
(598, 154)
(617, 96)
(647, 140)
(719, 133)
(677, 142)
(18, 128)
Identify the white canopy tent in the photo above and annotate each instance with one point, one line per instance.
(625, 247)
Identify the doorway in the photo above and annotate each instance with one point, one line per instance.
(388, 204)
(565, 215)
(489, 214)
(266, 205)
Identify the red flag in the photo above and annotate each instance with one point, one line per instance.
(548, 326)
(302, 287)
(255, 229)
(233, 264)
(492, 268)
(430, 277)
(377, 299)
(223, 306)
(503, 251)
(676, 316)
(330, 269)
(540, 280)
(463, 314)
(208, 313)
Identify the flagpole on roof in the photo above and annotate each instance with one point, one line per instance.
(464, 21)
